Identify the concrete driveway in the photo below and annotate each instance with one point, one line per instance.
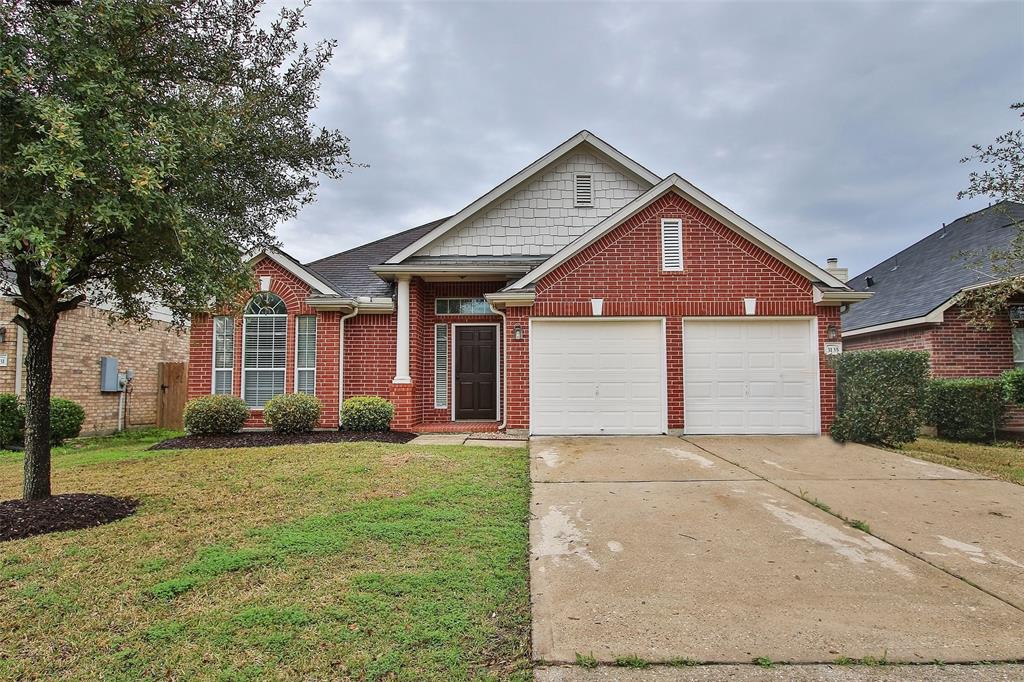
(723, 549)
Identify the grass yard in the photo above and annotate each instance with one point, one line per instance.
(1002, 460)
(335, 561)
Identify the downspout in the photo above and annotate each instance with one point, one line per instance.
(341, 359)
(504, 366)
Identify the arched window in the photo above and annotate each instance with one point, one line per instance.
(264, 348)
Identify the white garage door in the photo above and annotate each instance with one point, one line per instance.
(597, 377)
(750, 376)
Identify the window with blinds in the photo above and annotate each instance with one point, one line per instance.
(671, 244)
(223, 354)
(583, 190)
(264, 349)
(440, 365)
(305, 354)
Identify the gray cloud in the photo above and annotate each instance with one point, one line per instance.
(836, 127)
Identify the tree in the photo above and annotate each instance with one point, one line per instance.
(145, 146)
(1001, 178)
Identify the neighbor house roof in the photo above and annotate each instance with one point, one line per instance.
(922, 278)
(349, 271)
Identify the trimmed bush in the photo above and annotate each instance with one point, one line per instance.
(1013, 384)
(967, 409)
(66, 419)
(292, 413)
(12, 420)
(213, 415)
(366, 413)
(880, 396)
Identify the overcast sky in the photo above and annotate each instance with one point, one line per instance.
(836, 127)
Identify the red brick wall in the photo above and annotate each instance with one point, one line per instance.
(294, 293)
(624, 268)
(370, 354)
(956, 348)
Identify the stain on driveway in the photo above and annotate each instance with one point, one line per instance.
(659, 547)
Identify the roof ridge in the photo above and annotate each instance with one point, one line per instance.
(945, 226)
(377, 241)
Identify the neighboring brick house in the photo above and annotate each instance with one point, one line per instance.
(84, 335)
(915, 300)
(585, 294)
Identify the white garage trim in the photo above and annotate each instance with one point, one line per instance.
(663, 367)
(815, 361)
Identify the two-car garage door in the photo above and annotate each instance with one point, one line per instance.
(594, 376)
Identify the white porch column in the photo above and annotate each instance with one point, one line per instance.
(402, 347)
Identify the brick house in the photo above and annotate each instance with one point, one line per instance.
(84, 335)
(914, 306)
(585, 294)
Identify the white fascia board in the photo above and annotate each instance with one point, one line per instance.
(519, 178)
(936, 316)
(691, 193)
(293, 267)
(391, 271)
(827, 298)
(511, 299)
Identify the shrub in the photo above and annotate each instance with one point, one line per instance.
(967, 409)
(880, 396)
(66, 419)
(12, 419)
(215, 415)
(292, 413)
(366, 413)
(1013, 383)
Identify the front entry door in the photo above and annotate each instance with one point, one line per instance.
(476, 372)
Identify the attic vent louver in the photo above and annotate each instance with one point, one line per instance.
(583, 190)
(870, 281)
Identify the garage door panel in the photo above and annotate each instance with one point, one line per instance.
(750, 376)
(597, 376)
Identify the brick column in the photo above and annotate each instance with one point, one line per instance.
(402, 397)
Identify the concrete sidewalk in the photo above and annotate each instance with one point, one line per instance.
(660, 548)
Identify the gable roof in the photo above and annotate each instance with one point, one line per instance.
(315, 282)
(923, 277)
(349, 271)
(691, 193)
(584, 137)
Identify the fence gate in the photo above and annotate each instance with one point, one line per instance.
(170, 401)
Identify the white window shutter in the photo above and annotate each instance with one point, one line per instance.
(440, 365)
(671, 244)
(583, 190)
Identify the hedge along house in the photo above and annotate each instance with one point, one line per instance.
(916, 300)
(585, 294)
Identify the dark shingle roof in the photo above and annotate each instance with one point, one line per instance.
(349, 271)
(925, 275)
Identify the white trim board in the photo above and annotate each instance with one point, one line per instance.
(691, 193)
(580, 138)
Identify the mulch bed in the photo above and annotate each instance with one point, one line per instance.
(267, 439)
(25, 518)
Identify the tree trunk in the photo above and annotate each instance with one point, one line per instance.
(40, 331)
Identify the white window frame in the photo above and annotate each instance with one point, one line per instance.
(245, 371)
(441, 401)
(213, 363)
(672, 225)
(461, 298)
(295, 384)
(499, 369)
(1018, 364)
(576, 193)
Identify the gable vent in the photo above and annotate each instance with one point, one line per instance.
(583, 189)
(671, 244)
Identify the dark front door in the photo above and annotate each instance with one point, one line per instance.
(476, 372)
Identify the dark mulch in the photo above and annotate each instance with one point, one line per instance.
(25, 518)
(266, 439)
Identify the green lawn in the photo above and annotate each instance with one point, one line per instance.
(1001, 460)
(341, 561)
